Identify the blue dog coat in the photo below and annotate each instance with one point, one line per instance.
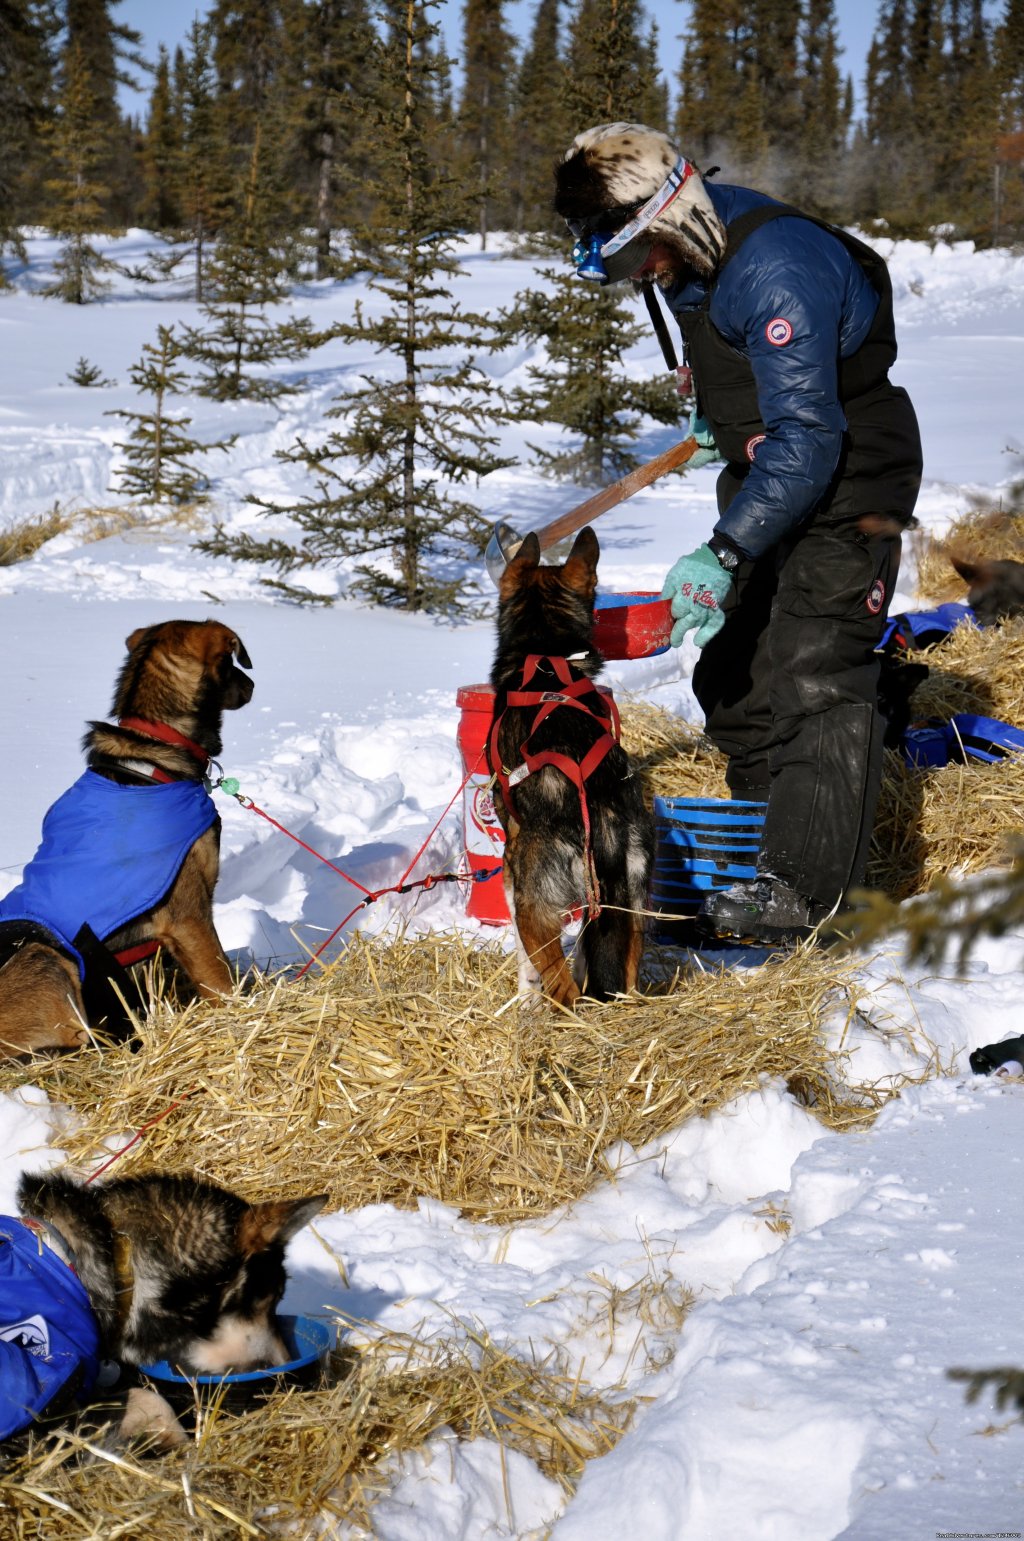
(108, 854)
(49, 1336)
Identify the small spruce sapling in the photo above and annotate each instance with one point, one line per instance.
(158, 449)
(86, 374)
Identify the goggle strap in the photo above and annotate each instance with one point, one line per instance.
(655, 205)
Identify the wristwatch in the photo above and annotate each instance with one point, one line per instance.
(728, 557)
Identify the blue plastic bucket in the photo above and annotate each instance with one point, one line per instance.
(703, 843)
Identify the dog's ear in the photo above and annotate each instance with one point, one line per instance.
(240, 652)
(528, 553)
(137, 636)
(276, 1220)
(211, 640)
(519, 567)
(586, 547)
(968, 570)
(580, 570)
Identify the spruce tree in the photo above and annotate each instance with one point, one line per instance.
(77, 150)
(327, 64)
(824, 116)
(157, 453)
(708, 80)
(384, 477)
(582, 384)
(246, 278)
(612, 72)
(201, 176)
(1008, 167)
(542, 123)
(250, 57)
(26, 67)
(483, 120)
(161, 153)
(87, 375)
(879, 154)
(109, 53)
(966, 144)
(924, 199)
(585, 329)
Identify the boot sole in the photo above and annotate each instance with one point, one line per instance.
(756, 936)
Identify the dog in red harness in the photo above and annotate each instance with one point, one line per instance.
(578, 834)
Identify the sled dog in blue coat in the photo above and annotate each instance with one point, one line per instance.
(130, 853)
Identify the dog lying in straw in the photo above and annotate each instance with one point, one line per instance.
(996, 588)
(577, 832)
(137, 1270)
(130, 854)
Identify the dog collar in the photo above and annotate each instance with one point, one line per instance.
(165, 734)
(145, 768)
(49, 1236)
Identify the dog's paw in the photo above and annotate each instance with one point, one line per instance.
(148, 1416)
(564, 990)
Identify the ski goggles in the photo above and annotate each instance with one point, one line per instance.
(606, 256)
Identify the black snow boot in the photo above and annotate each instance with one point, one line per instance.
(764, 910)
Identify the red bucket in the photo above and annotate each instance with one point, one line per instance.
(632, 625)
(484, 836)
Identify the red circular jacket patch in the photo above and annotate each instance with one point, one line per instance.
(876, 596)
(778, 332)
(751, 444)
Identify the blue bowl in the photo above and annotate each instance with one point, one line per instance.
(308, 1341)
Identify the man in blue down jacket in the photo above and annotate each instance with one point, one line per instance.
(788, 328)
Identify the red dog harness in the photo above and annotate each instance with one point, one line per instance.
(580, 693)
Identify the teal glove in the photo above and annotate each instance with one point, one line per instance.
(700, 430)
(697, 585)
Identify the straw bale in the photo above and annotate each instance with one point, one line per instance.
(307, 1457)
(675, 758)
(410, 1068)
(407, 1068)
(952, 821)
(979, 533)
(944, 823)
(974, 670)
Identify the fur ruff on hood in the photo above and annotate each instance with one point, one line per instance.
(617, 167)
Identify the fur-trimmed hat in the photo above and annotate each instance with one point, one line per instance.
(611, 170)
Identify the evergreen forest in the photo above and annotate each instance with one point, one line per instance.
(269, 114)
(288, 141)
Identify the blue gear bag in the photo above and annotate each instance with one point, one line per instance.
(923, 628)
(965, 737)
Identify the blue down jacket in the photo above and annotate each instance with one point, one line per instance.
(792, 301)
(108, 854)
(49, 1336)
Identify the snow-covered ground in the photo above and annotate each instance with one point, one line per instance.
(838, 1277)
